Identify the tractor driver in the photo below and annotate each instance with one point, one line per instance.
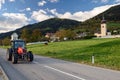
(20, 50)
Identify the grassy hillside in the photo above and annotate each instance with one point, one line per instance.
(106, 51)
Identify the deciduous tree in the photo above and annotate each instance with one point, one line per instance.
(25, 34)
(6, 41)
(65, 33)
(36, 35)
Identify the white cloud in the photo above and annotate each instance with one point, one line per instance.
(12, 21)
(40, 15)
(102, 1)
(28, 9)
(11, 0)
(118, 1)
(5, 9)
(23, 1)
(80, 15)
(22, 10)
(53, 11)
(53, 1)
(1, 2)
(42, 3)
(95, 1)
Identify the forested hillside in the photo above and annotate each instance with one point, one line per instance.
(50, 25)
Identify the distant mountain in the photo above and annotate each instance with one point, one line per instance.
(112, 14)
(50, 25)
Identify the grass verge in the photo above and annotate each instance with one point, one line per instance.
(106, 51)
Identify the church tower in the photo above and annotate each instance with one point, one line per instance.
(103, 27)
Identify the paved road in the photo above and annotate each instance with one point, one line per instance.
(43, 68)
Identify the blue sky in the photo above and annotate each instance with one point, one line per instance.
(17, 13)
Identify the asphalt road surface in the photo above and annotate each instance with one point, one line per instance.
(44, 68)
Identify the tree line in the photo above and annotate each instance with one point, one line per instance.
(36, 35)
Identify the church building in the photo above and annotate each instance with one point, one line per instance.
(103, 29)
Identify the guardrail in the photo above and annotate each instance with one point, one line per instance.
(45, 42)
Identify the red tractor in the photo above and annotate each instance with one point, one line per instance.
(18, 51)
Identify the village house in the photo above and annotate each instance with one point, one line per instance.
(52, 37)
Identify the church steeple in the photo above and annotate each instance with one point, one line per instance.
(103, 20)
(103, 27)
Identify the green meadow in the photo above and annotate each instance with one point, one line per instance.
(105, 51)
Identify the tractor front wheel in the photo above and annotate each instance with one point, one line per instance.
(9, 55)
(14, 58)
(30, 56)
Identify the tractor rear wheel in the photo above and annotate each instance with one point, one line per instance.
(14, 58)
(30, 56)
(9, 55)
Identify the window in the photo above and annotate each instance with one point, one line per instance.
(19, 44)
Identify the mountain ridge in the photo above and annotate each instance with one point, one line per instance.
(50, 25)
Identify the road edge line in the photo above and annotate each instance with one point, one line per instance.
(64, 72)
(4, 77)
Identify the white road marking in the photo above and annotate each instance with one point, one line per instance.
(64, 73)
(61, 71)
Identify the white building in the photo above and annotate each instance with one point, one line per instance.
(104, 33)
(103, 29)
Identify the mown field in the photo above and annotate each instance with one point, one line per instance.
(106, 51)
